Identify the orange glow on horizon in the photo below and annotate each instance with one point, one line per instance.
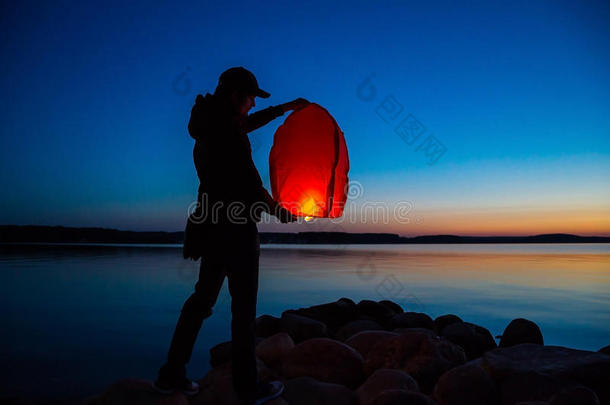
(514, 223)
(594, 221)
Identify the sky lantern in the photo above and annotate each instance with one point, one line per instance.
(308, 164)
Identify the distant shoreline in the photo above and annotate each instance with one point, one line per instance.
(60, 234)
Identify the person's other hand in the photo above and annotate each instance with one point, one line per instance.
(285, 216)
(295, 104)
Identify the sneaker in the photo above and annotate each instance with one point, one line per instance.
(268, 391)
(167, 387)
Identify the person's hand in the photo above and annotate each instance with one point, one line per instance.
(295, 104)
(285, 216)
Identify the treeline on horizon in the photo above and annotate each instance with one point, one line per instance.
(60, 234)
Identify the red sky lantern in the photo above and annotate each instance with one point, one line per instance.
(308, 164)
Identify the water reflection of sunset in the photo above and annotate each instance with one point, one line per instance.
(564, 287)
(541, 265)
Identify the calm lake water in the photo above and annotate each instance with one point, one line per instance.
(77, 318)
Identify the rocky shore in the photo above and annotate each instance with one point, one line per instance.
(375, 353)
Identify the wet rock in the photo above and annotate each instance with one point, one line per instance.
(326, 360)
(401, 397)
(568, 366)
(444, 320)
(474, 339)
(385, 379)
(274, 348)
(412, 320)
(136, 392)
(333, 314)
(575, 395)
(397, 309)
(356, 326)
(419, 355)
(301, 328)
(267, 325)
(363, 342)
(308, 391)
(466, 384)
(375, 311)
(521, 331)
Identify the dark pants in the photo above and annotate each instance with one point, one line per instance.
(231, 250)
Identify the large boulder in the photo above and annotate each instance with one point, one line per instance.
(267, 325)
(466, 384)
(605, 350)
(375, 311)
(216, 388)
(326, 360)
(406, 331)
(333, 314)
(528, 386)
(301, 328)
(385, 379)
(444, 320)
(552, 366)
(393, 306)
(521, 331)
(474, 339)
(309, 391)
(401, 397)
(412, 320)
(423, 357)
(363, 342)
(359, 325)
(222, 352)
(136, 392)
(485, 336)
(274, 348)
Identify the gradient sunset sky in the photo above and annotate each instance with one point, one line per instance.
(96, 98)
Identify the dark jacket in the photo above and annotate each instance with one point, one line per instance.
(223, 157)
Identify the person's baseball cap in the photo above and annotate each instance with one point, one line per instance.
(238, 78)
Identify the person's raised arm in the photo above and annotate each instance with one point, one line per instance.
(262, 117)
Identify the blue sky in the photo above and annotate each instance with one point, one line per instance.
(96, 98)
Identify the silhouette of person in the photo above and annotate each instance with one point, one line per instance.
(223, 231)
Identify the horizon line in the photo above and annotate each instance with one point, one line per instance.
(314, 231)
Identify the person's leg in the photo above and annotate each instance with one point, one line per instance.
(242, 274)
(196, 308)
